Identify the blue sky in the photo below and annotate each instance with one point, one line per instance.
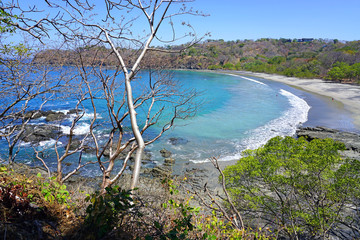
(253, 19)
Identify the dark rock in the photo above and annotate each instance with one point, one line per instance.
(146, 156)
(165, 153)
(72, 111)
(33, 114)
(169, 161)
(47, 113)
(55, 116)
(177, 141)
(351, 140)
(74, 144)
(161, 171)
(38, 133)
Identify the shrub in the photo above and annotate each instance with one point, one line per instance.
(214, 67)
(105, 211)
(300, 188)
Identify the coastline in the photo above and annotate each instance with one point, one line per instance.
(348, 95)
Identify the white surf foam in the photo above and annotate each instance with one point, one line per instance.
(285, 125)
(81, 129)
(49, 143)
(249, 79)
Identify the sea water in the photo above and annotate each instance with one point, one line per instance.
(237, 113)
(240, 113)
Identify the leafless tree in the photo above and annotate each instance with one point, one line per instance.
(22, 84)
(112, 25)
(117, 33)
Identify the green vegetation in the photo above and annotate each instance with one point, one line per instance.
(343, 71)
(288, 188)
(301, 189)
(317, 58)
(32, 206)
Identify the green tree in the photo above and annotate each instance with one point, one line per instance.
(356, 69)
(336, 73)
(302, 189)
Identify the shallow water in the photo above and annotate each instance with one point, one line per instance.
(239, 112)
(250, 112)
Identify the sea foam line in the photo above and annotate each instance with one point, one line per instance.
(80, 129)
(285, 125)
(249, 79)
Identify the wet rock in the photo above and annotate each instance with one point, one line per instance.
(165, 153)
(73, 111)
(169, 161)
(33, 114)
(177, 141)
(38, 133)
(146, 156)
(55, 116)
(161, 171)
(74, 144)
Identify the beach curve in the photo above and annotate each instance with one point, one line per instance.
(347, 94)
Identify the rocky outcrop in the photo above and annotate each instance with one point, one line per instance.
(38, 133)
(165, 153)
(145, 158)
(50, 115)
(351, 140)
(55, 116)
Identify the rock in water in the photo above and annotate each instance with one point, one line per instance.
(177, 140)
(165, 153)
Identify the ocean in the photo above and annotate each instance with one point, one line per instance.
(237, 113)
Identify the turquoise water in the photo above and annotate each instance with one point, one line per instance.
(237, 113)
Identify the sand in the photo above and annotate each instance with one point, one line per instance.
(347, 94)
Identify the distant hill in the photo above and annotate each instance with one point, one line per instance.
(306, 58)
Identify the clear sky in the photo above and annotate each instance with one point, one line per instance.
(253, 19)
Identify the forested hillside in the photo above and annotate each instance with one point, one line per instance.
(305, 58)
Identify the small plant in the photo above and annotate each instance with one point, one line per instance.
(53, 191)
(106, 210)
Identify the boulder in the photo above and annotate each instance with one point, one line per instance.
(146, 156)
(55, 116)
(33, 114)
(38, 133)
(169, 161)
(165, 153)
(177, 141)
(161, 171)
(72, 111)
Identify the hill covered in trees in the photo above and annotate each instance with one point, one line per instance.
(305, 58)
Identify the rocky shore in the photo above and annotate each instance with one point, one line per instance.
(351, 140)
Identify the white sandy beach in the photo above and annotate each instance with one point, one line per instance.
(347, 94)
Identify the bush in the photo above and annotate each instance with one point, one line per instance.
(300, 188)
(105, 211)
(229, 66)
(214, 67)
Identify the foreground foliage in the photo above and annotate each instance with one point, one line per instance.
(300, 188)
(33, 207)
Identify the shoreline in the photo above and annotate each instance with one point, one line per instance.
(348, 95)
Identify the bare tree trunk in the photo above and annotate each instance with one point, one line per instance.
(137, 134)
